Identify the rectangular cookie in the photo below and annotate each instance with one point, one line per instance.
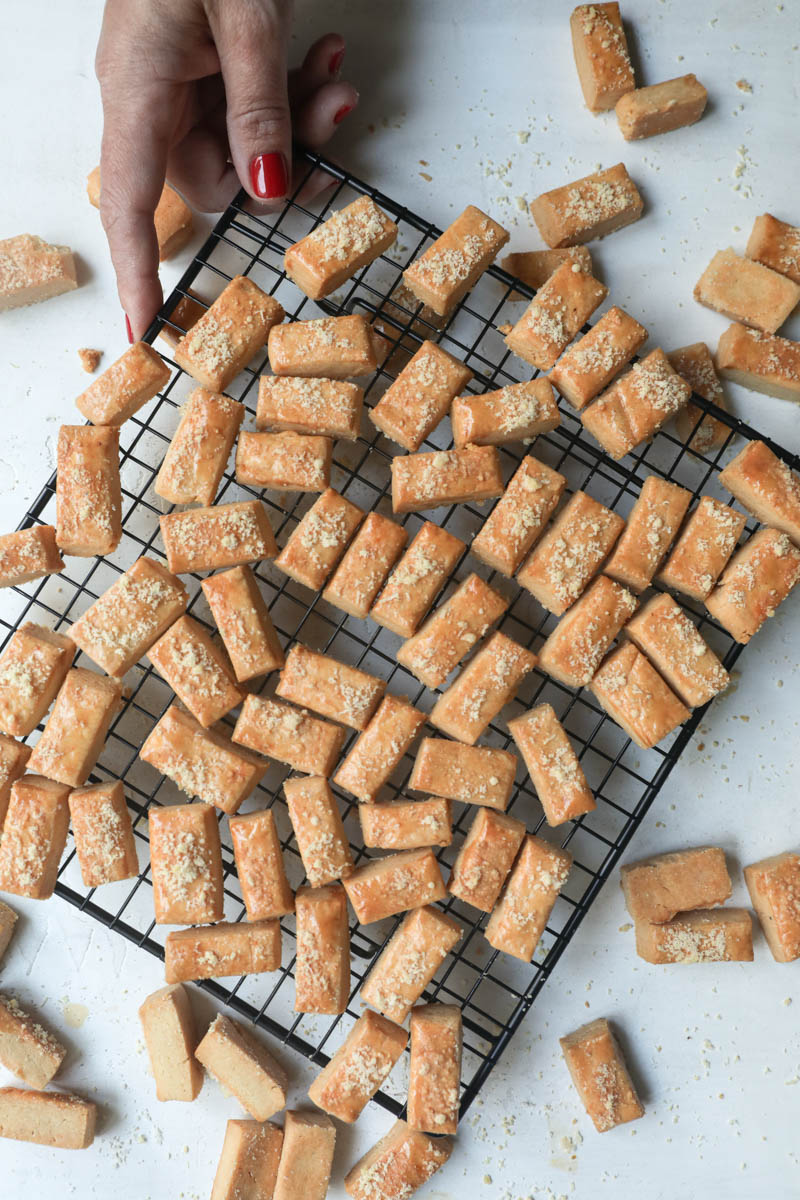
(122, 624)
(88, 494)
(318, 830)
(222, 950)
(601, 1078)
(417, 579)
(776, 244)
(101, 826)
(452, 631)
(637, 698)
(229, 333)
(765, 486)
(366, 564)
(171, 1039)
(409, 961)
(259, 865)
(675, 646)
(33, 667)
(27, 1050)
(517, 412)
(47, 1118)
(306, 1162)
(760, 362)
(290, 735)
(774, 887)
(322, 967)
(448, 269)
(482, 689)
(661, 107)
(656, 889)
(552, 764)
(439, 477)
(560, 309)
(589, 208)
(706, 543)
(757, 580)
(198, 453)
(244, 623)
(29, 554)
(34, 837)
(8, 919)
(32, 270)
(747, 291)
(420, 397)
(576, 647)
(379, 749)
(590, 365)
(76, 729)
(695, 364)
(652, 526)
(185, 864)
(329, 407)
(385, 886)
(243, 1065)
(222, 535)
(570, 553)
(318, 542)
(434, 1080)
(248, 1163)
(634, 408)
(292, 462)
(334, 689)
(523, 910)
(407, 824)
(345, 1086)
(350, 239)
(402, 1161)
(485, 858)
(196, 670)
(472, 774)
(535, 267)
(13, 757)
(124, 387)
(601, 55)
(703, 935)
(519, 517)
(331, 347)
(202, 762)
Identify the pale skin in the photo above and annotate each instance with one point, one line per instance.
(198, 92)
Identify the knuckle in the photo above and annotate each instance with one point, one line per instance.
(260, 122)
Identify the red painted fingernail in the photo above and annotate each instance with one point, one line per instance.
(335, 64)
(128, 329)
(342, 113)
(269, 176)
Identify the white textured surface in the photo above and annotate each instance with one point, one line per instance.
(715, 1049)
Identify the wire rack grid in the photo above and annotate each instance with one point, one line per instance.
(493, 991)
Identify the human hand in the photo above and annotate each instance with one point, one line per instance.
(197, 91)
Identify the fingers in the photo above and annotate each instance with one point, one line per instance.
(316, 120)
(132, 170)
(252, 43)
(321, 64)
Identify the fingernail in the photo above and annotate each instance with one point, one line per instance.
(342, 113)
(268, 175)
(128, 329)
(335, 64)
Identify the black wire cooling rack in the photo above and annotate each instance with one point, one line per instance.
(493, 990)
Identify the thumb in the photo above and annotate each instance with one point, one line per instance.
(252, 41)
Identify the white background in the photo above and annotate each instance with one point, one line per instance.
(459, 84)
